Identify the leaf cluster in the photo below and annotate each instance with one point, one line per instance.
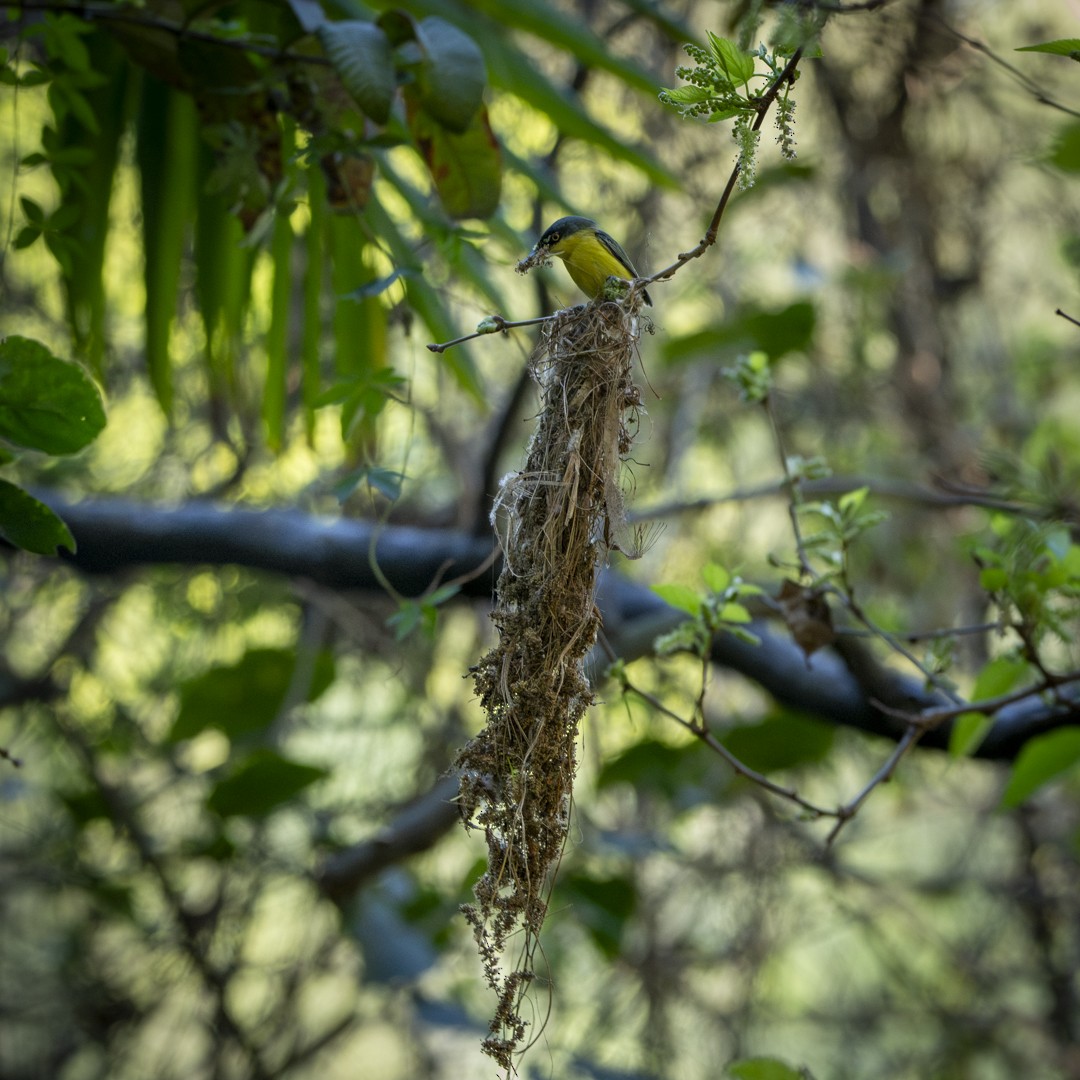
(47, 405)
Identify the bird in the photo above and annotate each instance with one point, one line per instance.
(590, 254)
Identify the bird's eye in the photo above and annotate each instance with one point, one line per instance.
(555, 237)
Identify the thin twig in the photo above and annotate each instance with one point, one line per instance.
(701, 731)
(500, 326)
(883, 775)
(764, 104)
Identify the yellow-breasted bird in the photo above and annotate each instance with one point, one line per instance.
(590, 255)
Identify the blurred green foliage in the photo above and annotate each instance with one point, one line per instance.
(220, 853)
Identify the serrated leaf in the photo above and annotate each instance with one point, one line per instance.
(1041, 760)
(261, 783)
(687, 95)
(361, 54)
(680, 596)
(452, 78)
(46, 403)
(738, 65)
(30, 524)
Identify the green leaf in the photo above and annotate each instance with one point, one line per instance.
(782, 741)
(466, 168)
(603, 906)
(760, 1068)
(686, 95)
(380, 285)
(245, 698)
(735, 613)
(772, 332)
(1065, 152)
(850, 501)
(680, 596)
(166, 152)
(31, 525)
(452, 80)
(968, 731)
(513, 71)
(675, 773)
(34, 214)
(736, 64)
(275, 394)
(1040, 761)
(998, 677)
(1062, 47)
(46, 403)
(25, 237)
(362, 56)
(549, 22)
(261, 783)
(716, 578)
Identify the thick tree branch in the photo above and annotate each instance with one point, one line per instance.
(114, 535)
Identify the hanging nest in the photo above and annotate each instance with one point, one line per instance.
(558, 519)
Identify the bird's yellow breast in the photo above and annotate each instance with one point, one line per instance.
(589, 262)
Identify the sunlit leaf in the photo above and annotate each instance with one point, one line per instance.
(716, 578)
(738, 65)
(1062, 47)
(46, 403)
(679, 596)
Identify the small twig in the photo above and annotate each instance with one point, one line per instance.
(1028, 84)
(793, 487)
(498, 325)
(929, 719)
(883, 775)
(764, 104)
(701, 731)
(1058, 311)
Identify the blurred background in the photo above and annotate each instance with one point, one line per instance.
(228, 717)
